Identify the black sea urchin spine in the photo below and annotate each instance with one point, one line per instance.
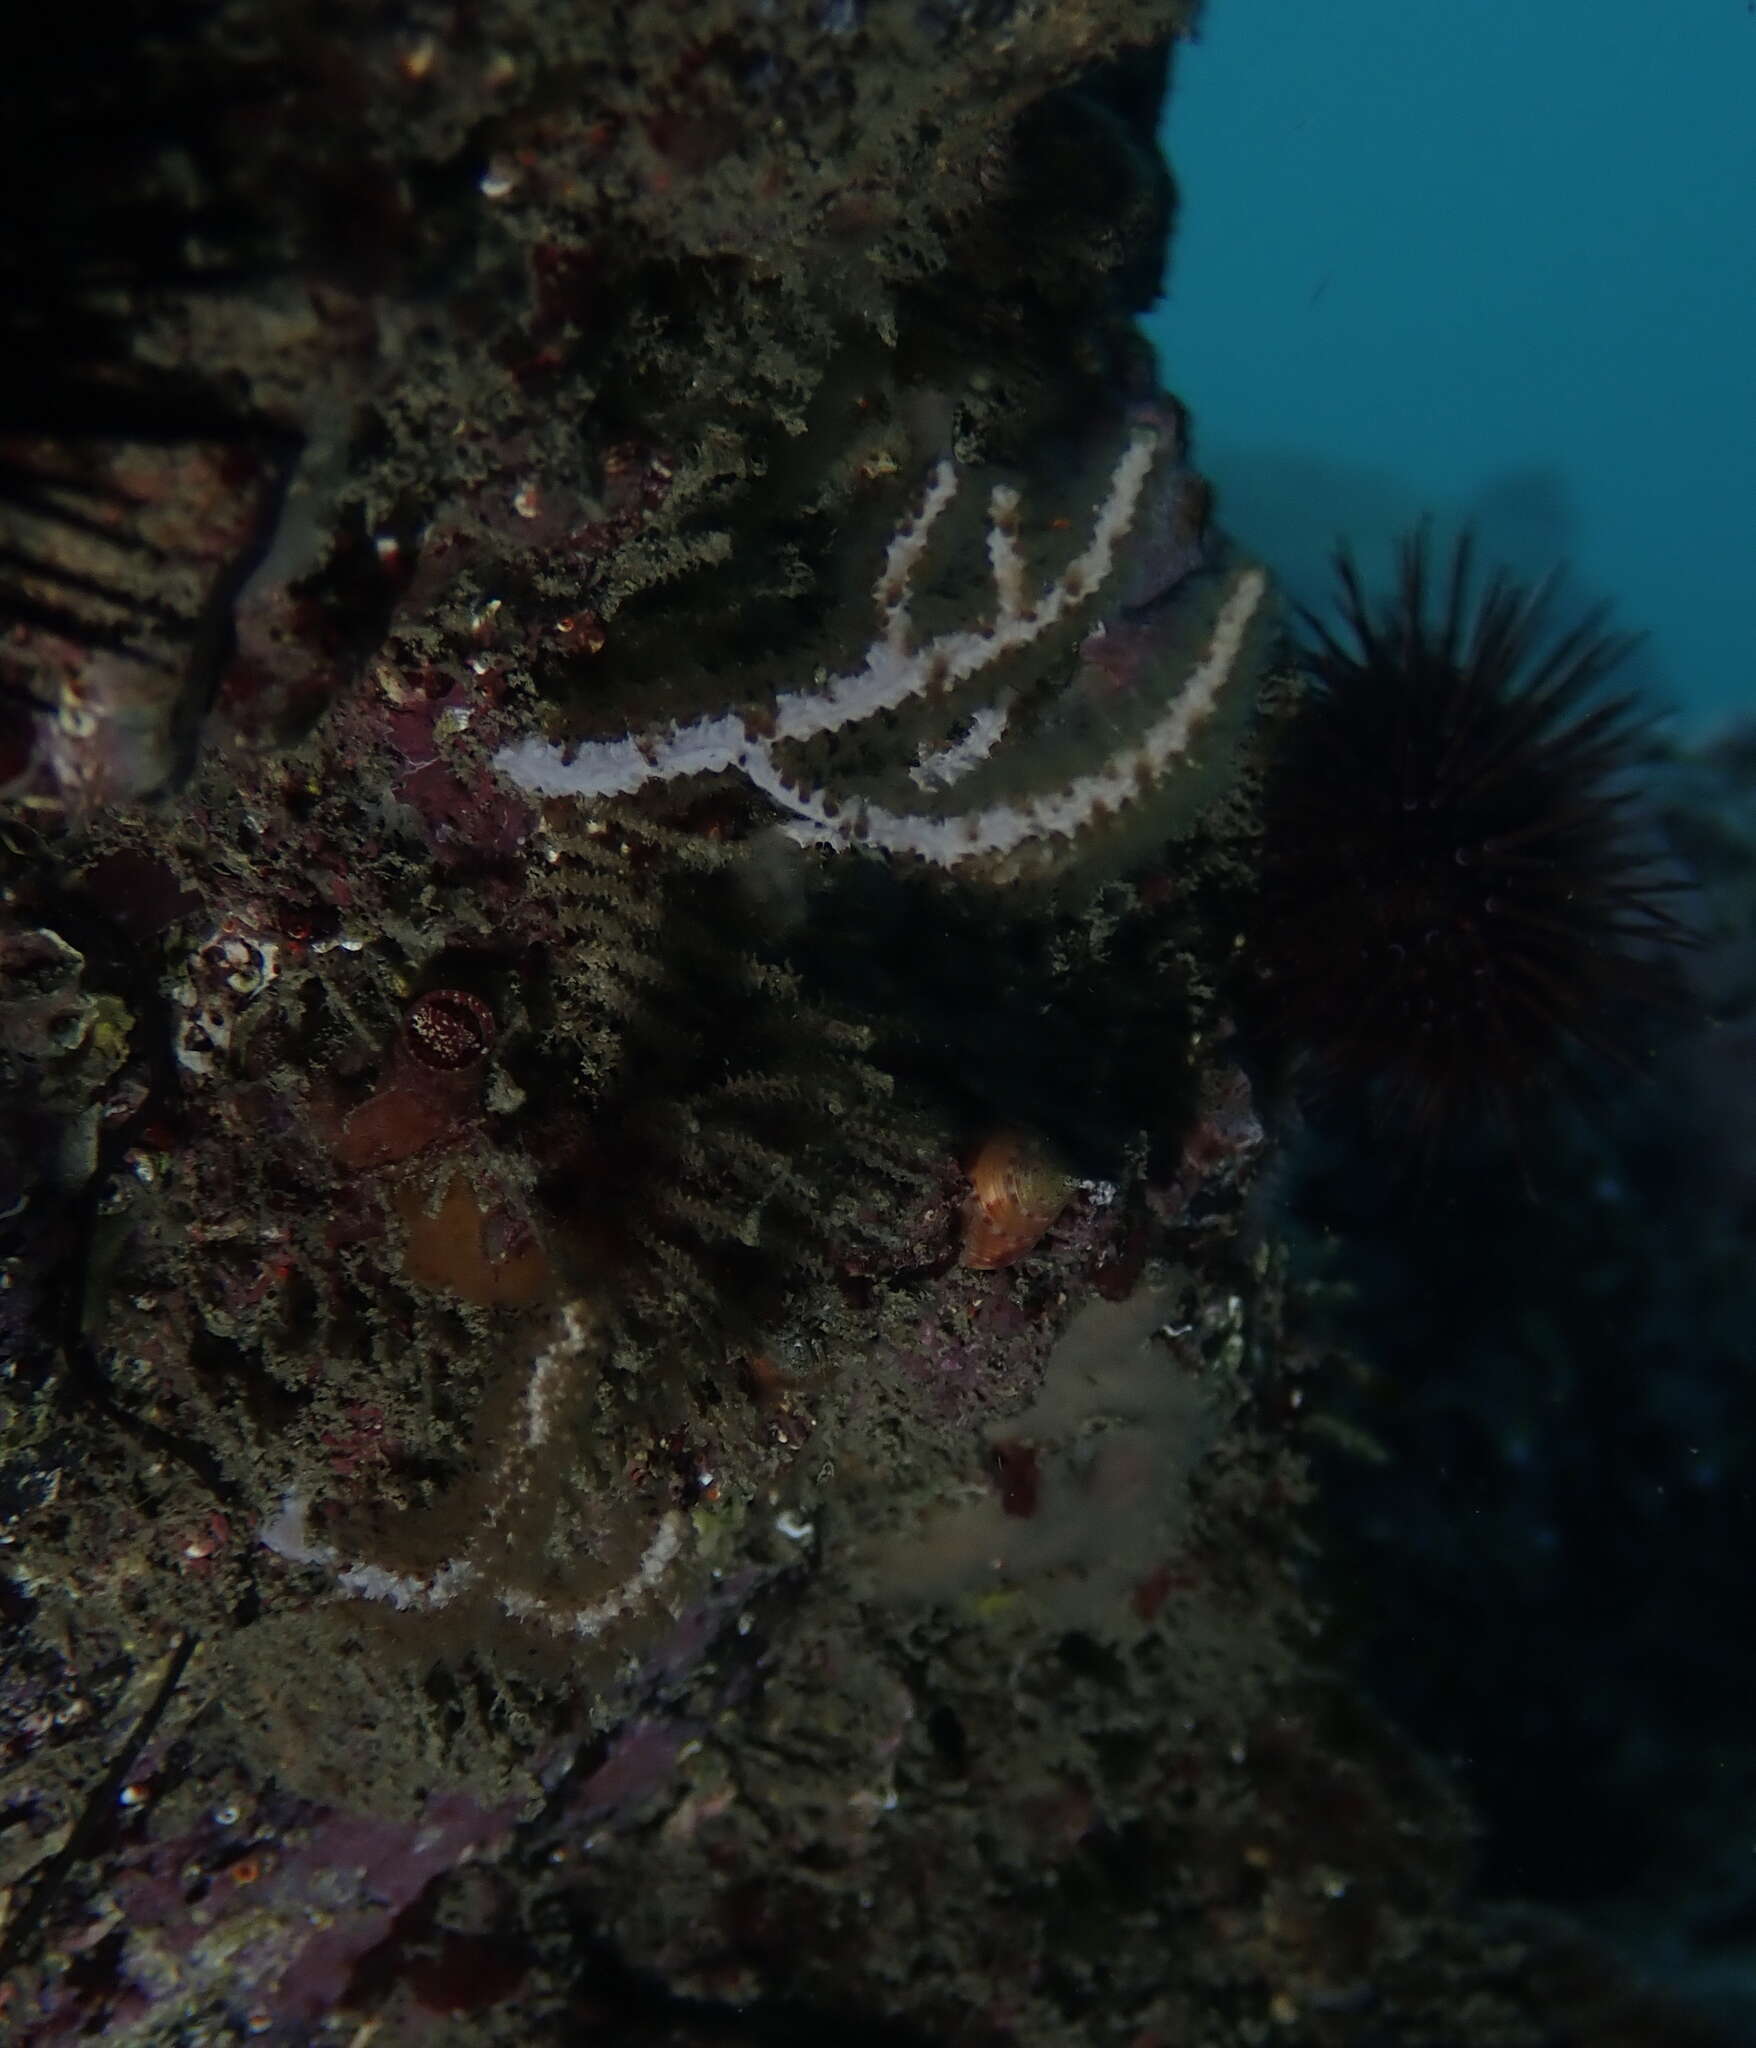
(1455, 897)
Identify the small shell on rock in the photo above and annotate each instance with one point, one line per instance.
(1017, 1190)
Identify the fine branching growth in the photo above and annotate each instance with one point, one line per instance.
(698, 1141)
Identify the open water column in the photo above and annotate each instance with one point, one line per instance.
(1494, 265)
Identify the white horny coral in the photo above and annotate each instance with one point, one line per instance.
(1008, 825)
(510, 1530)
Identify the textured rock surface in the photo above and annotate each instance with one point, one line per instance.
(523, 1519)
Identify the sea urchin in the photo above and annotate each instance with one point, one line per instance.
(1455, 898)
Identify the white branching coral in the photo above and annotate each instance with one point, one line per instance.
(513, 1498)
(992, 802)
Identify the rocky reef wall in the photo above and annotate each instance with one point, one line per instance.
(650, 1393)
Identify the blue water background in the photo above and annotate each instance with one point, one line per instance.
(1490, 261)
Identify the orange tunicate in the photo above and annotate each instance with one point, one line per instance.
(482, 1255)
(391, 1126)
(1017, 1189)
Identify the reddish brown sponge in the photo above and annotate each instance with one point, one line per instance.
(1455, 900)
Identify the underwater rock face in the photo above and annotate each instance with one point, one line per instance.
(531, 1505)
